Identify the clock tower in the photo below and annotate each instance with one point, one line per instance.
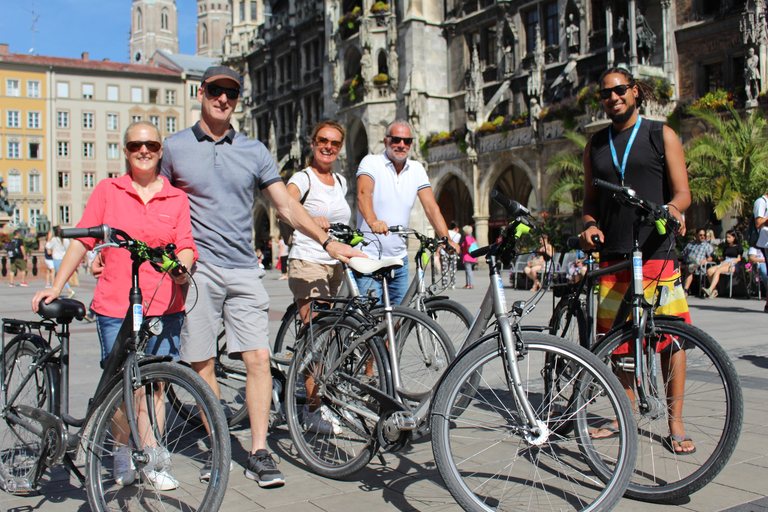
(154, 26)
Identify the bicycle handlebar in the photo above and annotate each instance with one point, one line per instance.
(101, 232)
(513, 208)
(657, 214)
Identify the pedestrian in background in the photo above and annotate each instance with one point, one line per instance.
(466, 247)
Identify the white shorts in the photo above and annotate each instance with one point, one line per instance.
(234, 295)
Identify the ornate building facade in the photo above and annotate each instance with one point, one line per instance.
(488, 85)
(154, 26)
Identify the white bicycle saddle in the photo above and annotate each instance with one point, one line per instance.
(369, 265)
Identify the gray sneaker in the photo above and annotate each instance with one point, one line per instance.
(261, 467)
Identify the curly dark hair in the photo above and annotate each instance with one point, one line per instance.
(645, 91)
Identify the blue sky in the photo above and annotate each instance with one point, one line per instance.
(66, 28)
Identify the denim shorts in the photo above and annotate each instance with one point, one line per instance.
(164, 344)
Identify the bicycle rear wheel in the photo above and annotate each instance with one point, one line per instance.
(20, 448)
(453, 317)
(171, 457)
(334, 430)
(285, 340)
(712, 412)
(489, 458)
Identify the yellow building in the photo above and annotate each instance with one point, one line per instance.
(23, 125)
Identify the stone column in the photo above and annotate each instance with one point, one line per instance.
(632, 30)
(667, 32)
(609, 33)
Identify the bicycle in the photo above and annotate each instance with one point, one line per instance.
(713, 398)
(167, 452)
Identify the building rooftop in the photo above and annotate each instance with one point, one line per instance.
(189, 64)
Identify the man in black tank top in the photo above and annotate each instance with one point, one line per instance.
(628, 154)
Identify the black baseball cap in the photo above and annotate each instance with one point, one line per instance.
(214, 73)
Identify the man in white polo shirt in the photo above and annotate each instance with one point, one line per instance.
(387, 187)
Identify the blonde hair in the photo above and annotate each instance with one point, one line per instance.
(467, 230)
(325, 124)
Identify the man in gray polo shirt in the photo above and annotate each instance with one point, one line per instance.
(221, 171)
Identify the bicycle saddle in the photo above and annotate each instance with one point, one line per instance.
(369, 265)
(63, 310)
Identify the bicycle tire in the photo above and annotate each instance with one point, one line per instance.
(570, 323)
(351, 441)
(183, 447)
(20, 448)
(452, 316)
(712, 391)
(285, 341)
(424, 350)
(482, 453)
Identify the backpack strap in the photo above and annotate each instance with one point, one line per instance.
(309, 187)
(657, 142)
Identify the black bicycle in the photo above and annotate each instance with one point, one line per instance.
(137, 419)
(691, 376)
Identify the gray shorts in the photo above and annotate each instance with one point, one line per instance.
(234, 295)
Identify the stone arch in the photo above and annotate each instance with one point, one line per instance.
(513, 178)
(139, 20)
(356, 148)
(352, 66)
(382, 66)
(164, 19)
(454, 196)
(262, 230)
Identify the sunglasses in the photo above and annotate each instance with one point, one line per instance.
(398, 140)
(322, 141)
(620, 90)
(135, 145)
(216, 90)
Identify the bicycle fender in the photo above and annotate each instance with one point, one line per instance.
(49, 423)
(436, 297)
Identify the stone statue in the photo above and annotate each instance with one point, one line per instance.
(366, 70)
(646, 39)
(534, 112)
(508, 33)
(365, 32)
(572, 34)
(393, 67)
(5, 205)
(752, 75)
(535, 74)
(391, 29)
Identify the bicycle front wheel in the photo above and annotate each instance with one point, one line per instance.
(491, 460)
(332, 415)
(697, 385)
(176, 464)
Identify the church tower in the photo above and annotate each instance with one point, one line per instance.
(154, 26)
(214, 21)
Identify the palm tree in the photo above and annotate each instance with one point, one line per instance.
(568, 188)
(728, 166)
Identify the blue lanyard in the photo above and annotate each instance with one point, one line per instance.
(623, 167)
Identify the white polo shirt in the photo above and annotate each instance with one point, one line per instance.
(393, 198)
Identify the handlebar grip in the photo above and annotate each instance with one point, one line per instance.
(573, 242)
(100, 232)
(608, 186)
(482, 251)
(396, 229)
(513, 208)
(595, 239)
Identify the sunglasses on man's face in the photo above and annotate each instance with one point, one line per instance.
(397, 140)
(620, 90)
(216, 91)
(135, 145)
(322, 141)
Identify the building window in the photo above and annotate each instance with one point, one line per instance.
(136, 119)
(113, 174)
(16, 217)
(87, 91)
(34, 214)
(155, 120)
(87, 120)
(164, 19)
(113, 151)
(254, 10)
(89, 179)
(33, 88)
(204, 38)
(137, 95)
(139, 21)
(14, 150)
(242, 10)
(193, 90)
(62, 119)
(35, 183)
(33, 120)
(88, 151)
(113, 93)
(62, 148)
(34, 151)
(153, 96)
(113, 122)
(713, 77)
(13, 119)
(551, 27)
(170, 125)
(12, 87)
(531, 20)
(64, 214)
(64, 179)
(170, 97)
(14, 182)
(62, 89)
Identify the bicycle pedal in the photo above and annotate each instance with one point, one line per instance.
(402, 420)
(18, 487)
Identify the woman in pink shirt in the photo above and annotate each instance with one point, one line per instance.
(148, 208)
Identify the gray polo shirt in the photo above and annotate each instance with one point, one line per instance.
(221, 179)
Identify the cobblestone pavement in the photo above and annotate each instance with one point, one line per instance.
(409, 480)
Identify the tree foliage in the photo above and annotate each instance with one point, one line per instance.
(568, 188)
(728, 165)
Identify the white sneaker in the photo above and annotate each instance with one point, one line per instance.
(161, 480)
(123, 469)
(322, 421)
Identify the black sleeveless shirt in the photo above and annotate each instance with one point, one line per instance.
(646, 175)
